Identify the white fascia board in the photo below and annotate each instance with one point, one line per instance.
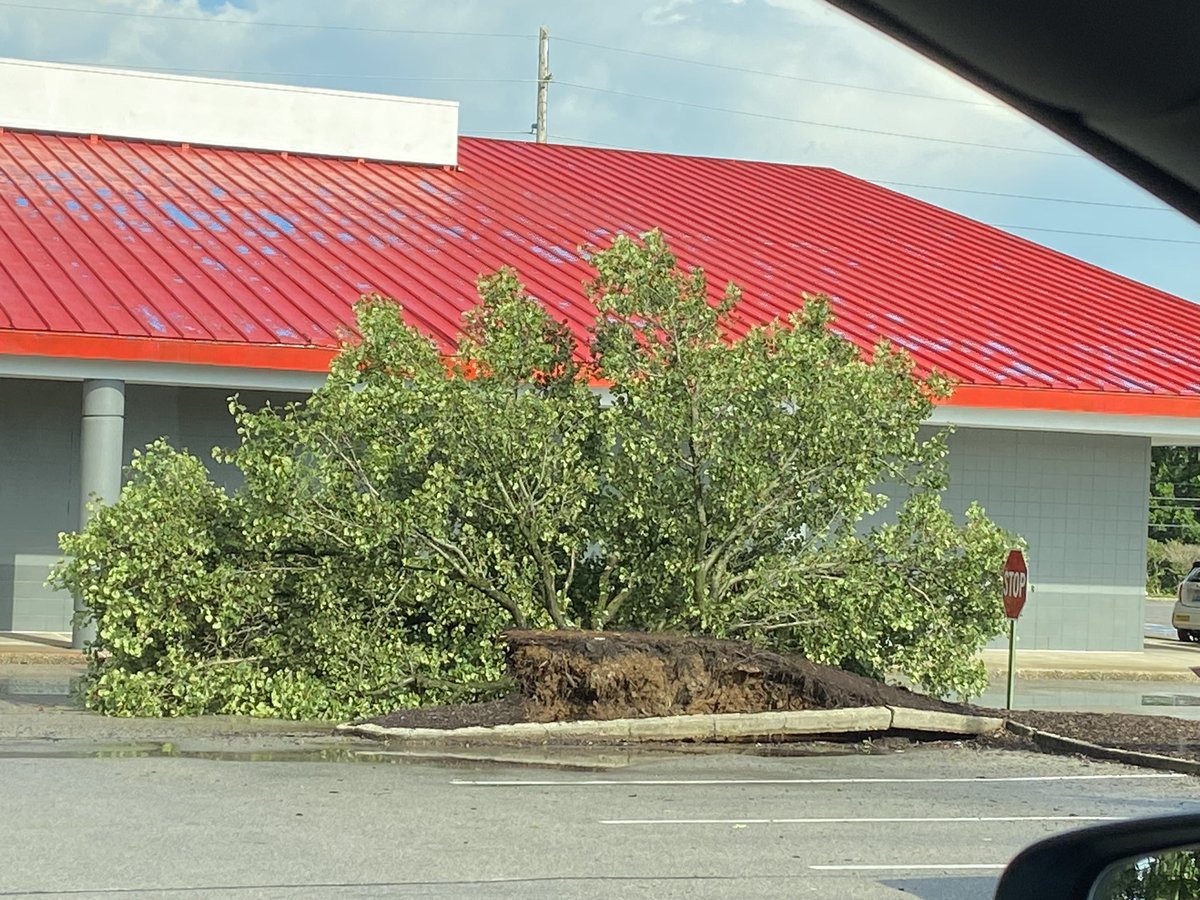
(1179, 430)
(173, 374)
(176, 109)
(1160, 429)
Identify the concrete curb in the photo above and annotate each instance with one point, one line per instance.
(995, 674)
(40, 658)
(697, 728)
(1057, 743)
(904, 719)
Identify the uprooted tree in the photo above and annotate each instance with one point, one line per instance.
(774, 486)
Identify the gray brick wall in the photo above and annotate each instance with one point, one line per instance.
(39, 497)
(1080, 502)
(39, 476)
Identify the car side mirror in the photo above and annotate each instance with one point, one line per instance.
(1164, 873)
(1118, 861)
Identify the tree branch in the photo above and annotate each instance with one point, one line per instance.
(462, 566)
(549, 572)
(700, 576)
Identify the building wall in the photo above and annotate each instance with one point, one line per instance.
(39, 476)
(1080, 501)
(1081, 504)
(39, 497)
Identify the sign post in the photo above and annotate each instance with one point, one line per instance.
(1016, 580)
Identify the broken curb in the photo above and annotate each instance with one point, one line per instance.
(1057, 743)
(904, 719)
(714, 727)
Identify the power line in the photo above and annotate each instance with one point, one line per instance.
(211, 20)
(1013, 227)
(766, 74)
(957, 190)
(812, 122)
(351, 28)
(578, 86)
(582, 141)
(260, 74)
(585, 143)
(1101, 234)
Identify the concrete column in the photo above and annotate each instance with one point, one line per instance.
(101, 451)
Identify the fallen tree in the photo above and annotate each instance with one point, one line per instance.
(772, 485)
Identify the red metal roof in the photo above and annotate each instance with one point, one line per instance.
(141, 251)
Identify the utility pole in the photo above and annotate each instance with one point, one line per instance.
(543, 83)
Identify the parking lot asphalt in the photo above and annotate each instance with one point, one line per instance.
(930, 822)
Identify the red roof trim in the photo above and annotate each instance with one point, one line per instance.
(1125, 404)
(317, 359)
(195, 353)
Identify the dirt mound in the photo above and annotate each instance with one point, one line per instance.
(567, 675)
(571, 675)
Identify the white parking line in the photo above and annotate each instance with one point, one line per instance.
(671, 782)
(866, 820)
(914, 867)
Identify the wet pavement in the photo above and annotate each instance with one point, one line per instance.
(319, 814)
(933, 823)
(1158, 619)
(44, 685)
(1145, 697)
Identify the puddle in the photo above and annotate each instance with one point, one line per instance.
(323, 749)
(1162, 631)
(42, 750)
(1147, 698)
(1170, 700)
(35, 686)
(329, 750)
(40, 690)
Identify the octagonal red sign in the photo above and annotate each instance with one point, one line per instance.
(1016, 580)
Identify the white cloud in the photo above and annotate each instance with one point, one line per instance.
(806, 39)
(668, 13)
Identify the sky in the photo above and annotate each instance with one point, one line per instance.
(792, 81)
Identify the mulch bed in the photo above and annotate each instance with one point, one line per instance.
(1163, 735)
(494, 712)
(573, 675)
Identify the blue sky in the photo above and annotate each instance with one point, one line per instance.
(783, 80)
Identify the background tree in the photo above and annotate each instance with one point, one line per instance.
(1174, 537)
(1170, 875)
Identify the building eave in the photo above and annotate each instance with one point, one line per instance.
(170, 372)
(1165, 419)
(1161, 429)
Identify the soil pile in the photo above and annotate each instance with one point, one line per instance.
(573, 675)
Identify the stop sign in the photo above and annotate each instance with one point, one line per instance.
(1016, 579)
